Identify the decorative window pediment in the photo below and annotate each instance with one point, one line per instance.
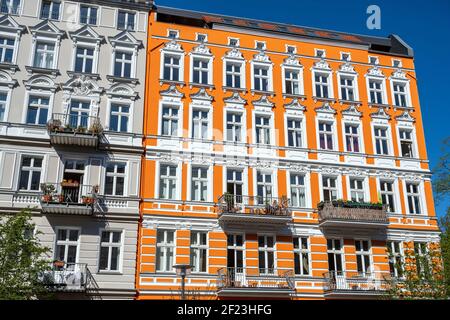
(235, 98)
(322, 64)
(86, 34)
(399, 74)
(352, 111)
(122, 91)
(202, 49)
(263, 101)
(47, 29)
(172, 91)
(173, 46)
(40, 83)
(201, 95)
(82, 86)
(6, 80)
(292, 61)
(325, 108)
(405, 116)
(261, 57)
(295, 105)
(125, 39)
(375, 72)
(9, 25)
(234, 54)
(347, 68)
(380, 114)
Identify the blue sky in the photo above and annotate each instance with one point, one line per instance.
(424, 25)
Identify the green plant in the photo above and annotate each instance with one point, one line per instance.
(96, 127)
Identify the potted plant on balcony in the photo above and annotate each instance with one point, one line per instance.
(96, 127)
(88, 200)
(47, 192)
(58, 263)
(54, 125)
(80, 129)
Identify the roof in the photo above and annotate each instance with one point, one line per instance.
(392, 44)
(144, 5)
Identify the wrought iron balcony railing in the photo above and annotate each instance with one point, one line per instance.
(351, 281)
(254, 205)
(69, 197)
(67, 277)
(245, 278)
(346, 212)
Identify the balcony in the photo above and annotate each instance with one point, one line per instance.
(342, 284)
(69, 197)
(67, 277)
(345, 215)
(74, 129)
(252, 282)
(236, 209)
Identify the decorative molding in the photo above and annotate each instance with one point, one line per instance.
(235, 98)
(399, 74)
(41, 83)
(263, 101)
(202, 49)
(405, 116)
(325, 108)
(125, 39)
(201, 94)
(86, 33)
(82, 85)
(375, 71)
(347, 67)
(47, 28)
(120, 90)
(322, 64)
(173, 46)
(380, 114)
(261, 57)
(295, 105)
(292, 61)
(234, 54)
(9, 25)
(6, 80)
(172, 91)
(352, 110)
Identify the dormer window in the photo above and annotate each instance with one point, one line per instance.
(50, 10)
(320, 53)
(345, 56)
(173, 34)
(373, 60)
(234, 42)
(260, 45)
(201, 37)
(291, 49)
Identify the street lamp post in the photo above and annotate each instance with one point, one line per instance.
(183, 270)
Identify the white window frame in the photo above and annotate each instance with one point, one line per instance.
(354, 77)
(116, 175)
(110, 245)
(177, 106)
(200, 247)
(40, 40)
(420, 194)
(341, 252)
(85, 45)
(271, 116)
(329, 75)
(67, 242)
(301, 87)
(180, 55)
(388, 138)
(239, 62)
(300, 251)
(51, 8)
(18, 9)
(364, 253)
(242, 113)
(383, 88)
(122, 102)
(359, 134)
(395, 192)
(414, 147)
(266, 250)
(128, 12)
(244, 171)
(31, 170)
(178, 182)
(90, 6)
(306, 187)
(30, 93)
(200, 108)
(395, 255)
(209, 68)
(333, 133)
(273, 184)
(365, 188)
(165, 245)
(338, 185)
(269, 67)
(208, 180)
(16, 38)
(407, 92)
(7, 91)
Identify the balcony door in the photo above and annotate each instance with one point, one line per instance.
(235, 183)
(235, 260)
(67, 245)
(266, 252)
(73, 181)
(264, 187)
(79, 114)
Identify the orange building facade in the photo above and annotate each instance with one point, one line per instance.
(253, 133)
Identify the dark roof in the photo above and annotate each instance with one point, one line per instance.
(144, 5)
(392, 44)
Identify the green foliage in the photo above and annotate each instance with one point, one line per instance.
(422, 275)
(21, 258)
(352, 204)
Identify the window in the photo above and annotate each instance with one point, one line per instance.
(199, 249)
(169, 121)
(7, 47)
(421, 258)
(263, 186)
(347, 88)
(171, 68)
(110, 244)
(173, 34)
(396, 63)
(387, 194)
(79, 113)
(122, 64)
(329, 188)
(30, 173)
(233, 42)
(298, 194)
(126, 20)
(321, 83)
(352, 137)
(362, 256)
(400, 95)
(381, 140)
(84, 60)
(44, 55)
(200, 70)
(335, 256)
(345, 56)
(406, 143)
(88, 15)
(357, 190)
(50, 10)
(373, 60)
(291, 49)
(294, 132)
(199, 186)
(165, 247)
(115, 179)
(292, 81)
(235, 251)
(234, 127)
(167, 181)
(395, 258)
(233, 74)
(120, 115)
(413, 196)
(200, 124)
(260, 45)
(67, 245)
(38, 110)
(3, 105)
(235, 183)
(320, 53)
(376, 91)
(301, 255)
(326, 135)
(261, 78)
(10, 6)
(262, 127)
(201, 37)
(266, 254)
